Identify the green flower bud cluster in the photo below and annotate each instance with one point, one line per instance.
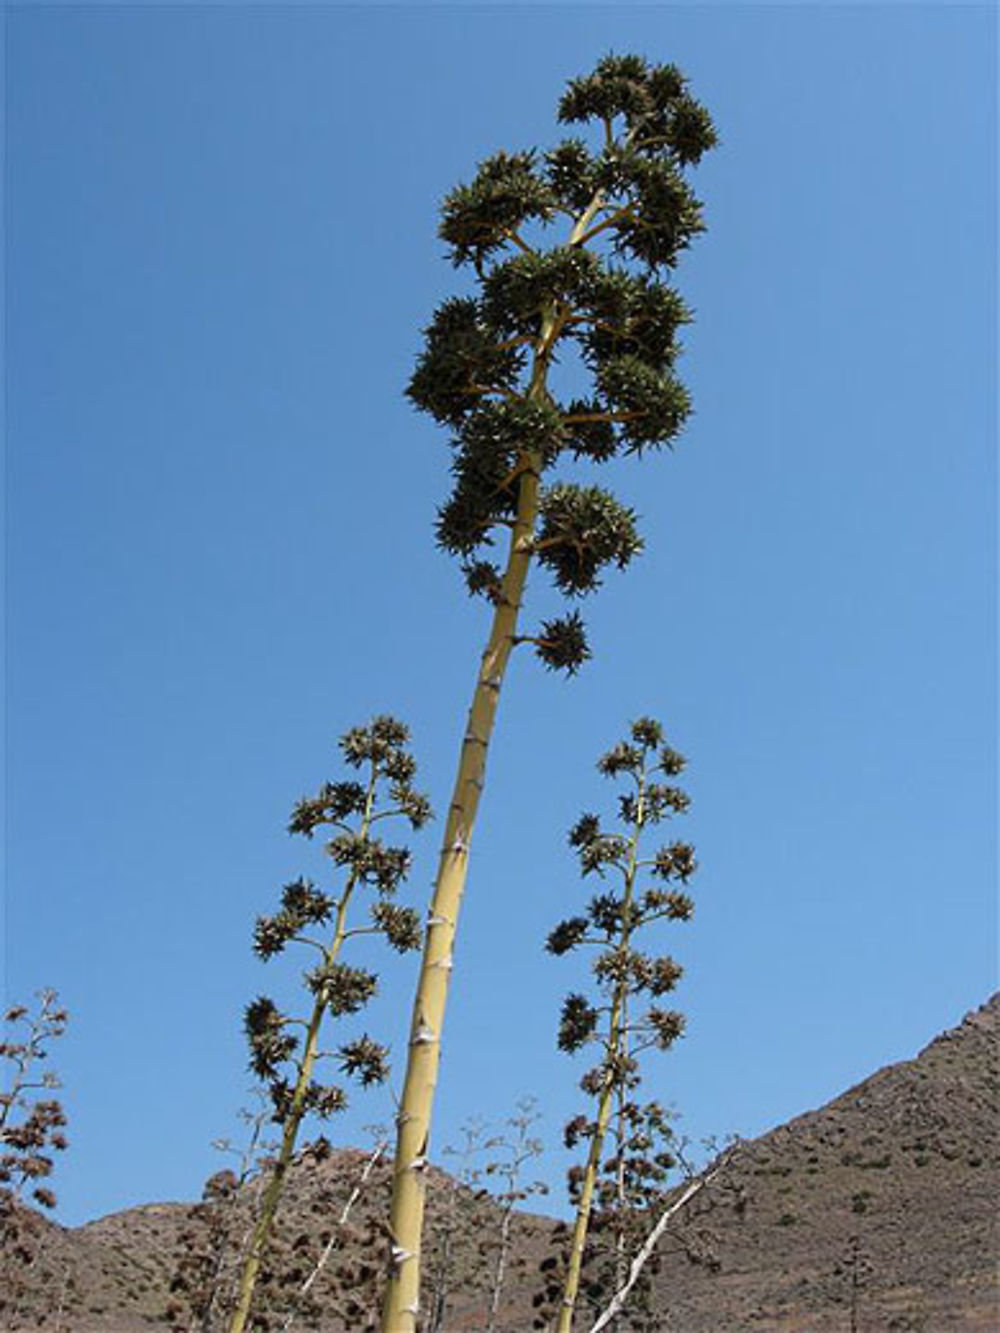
(279, 1055)
(562, 643)
(301, 905)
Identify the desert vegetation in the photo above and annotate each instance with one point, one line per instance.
(558, 358)
(549, 373)
(32, 1121)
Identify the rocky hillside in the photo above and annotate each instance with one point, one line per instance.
(875, 1212)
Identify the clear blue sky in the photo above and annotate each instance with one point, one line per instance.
(220, 250)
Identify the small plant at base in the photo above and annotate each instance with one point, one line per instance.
(609, 1194)
(278, 1055)
(484, 374)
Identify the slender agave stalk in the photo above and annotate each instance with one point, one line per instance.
(336, 989)
(485, 374)
(621, 1132)
(622, 972)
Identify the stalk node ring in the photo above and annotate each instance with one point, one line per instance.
(399, 1256)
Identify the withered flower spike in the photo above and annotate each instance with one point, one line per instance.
(285, 1051)
(610, 1189)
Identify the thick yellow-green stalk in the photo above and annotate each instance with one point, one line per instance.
(413, 1121)
(296, 1110)
(615, 1047)
(402, 1297)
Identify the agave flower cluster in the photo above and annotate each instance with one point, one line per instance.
(349, 810)
(599, 296)
(626, 1014)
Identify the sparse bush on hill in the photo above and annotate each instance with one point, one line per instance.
(31, 1131)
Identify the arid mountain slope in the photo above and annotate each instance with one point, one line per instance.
(873, 1214)
(880, 1207)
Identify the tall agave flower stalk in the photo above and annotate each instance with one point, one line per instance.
(627, 1019)
(285, 1051)
(570, 250)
